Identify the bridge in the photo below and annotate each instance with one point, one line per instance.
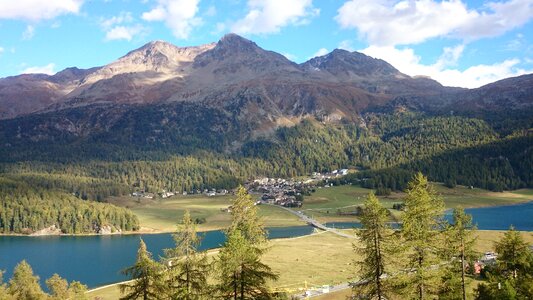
(315, 223)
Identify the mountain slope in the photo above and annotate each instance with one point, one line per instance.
(225, 94)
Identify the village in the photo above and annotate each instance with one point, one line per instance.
(290, 192)
(277, 191)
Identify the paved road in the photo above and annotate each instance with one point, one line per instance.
(314, 222)
(311, 293)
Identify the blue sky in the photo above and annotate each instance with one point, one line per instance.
(457, 42)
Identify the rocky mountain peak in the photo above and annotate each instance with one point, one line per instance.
(234, 42)
(341, 61)
(232, 53)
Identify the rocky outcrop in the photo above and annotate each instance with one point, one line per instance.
(52, 230)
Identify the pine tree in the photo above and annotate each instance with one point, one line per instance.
(77, 291)
(189, 269)
(376, 237)
(25, 285)
(58, 287)
(242, 274)
(458, 251)
(514, 256)
(513, 276)
(244, 217)
(146, 277)
(3, 288)
(422, 222)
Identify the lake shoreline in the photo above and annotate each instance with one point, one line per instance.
(147, 230)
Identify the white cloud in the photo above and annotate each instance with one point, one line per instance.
(290, 56)
(2, 50)
(518, 43)
(116, 27)
(504, 17)
(123, 17)
(28, 33)
(409, 63)
(346, 45)
(219, 28)
(36, 10)
(389, 23)
(269, 16)
(124, 32)
(320, 52)
(211, 11)
(48, 69)
(178, 15)
(450, 56)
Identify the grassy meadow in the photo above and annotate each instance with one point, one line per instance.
(325, 202)
(319, 259)
(161, 215)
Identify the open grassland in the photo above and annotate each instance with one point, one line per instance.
(325, 203)
(319, 259)
(162, 215)
(486, 239)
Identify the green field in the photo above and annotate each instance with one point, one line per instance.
(161, 215)
(326, 202)
(319, 259)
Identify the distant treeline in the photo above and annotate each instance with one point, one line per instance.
(26, 209)
(497, 166)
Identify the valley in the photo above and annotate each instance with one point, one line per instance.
(130, 151)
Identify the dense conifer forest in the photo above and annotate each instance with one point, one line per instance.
(25, 209)
(386, 148)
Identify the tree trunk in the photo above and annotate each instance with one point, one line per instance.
(242, 283)
(463, 268)
(378, 266)
(235, 288)
(421, 283)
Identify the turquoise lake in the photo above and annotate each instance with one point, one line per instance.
(97, 260)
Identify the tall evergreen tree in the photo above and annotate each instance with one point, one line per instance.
(3, 288)
(514, 255)
(422, 223)
(245, 218)
(24, 285)
(146, 277)
(242, 274)
(188, 269)
(376, 237)
(458, 251)
(58, 287)
(513, 276)
(77, 291)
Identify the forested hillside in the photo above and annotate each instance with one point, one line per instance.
(453, 149)
(26, 209)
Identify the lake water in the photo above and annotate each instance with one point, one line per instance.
(486, 218)
(502, 217)
(97, 260)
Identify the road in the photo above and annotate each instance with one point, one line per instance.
(314, 222)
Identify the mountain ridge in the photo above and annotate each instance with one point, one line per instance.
(250, 91)
(158, 71)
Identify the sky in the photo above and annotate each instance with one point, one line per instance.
(465, 43)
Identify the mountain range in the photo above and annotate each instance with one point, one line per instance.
(228, 93)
